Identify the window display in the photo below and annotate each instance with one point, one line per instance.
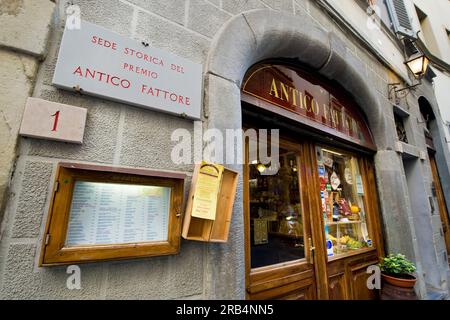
(342, 196)
(276, 224)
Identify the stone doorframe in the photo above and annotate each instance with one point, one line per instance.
(256, 35)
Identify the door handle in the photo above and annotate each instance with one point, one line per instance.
(312, 249)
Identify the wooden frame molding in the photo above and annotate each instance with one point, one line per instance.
(55, 252)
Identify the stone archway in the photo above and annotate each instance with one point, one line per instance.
(246, 39)
(262, 34)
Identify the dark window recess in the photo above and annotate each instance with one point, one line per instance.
(427, 118)
(401, 20)
(427, 112)
(429, 139)
(401, 131)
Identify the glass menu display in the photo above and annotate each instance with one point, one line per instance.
(113, 213)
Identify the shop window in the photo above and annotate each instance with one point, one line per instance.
(342, 195)
(276, 218)
(401, 129)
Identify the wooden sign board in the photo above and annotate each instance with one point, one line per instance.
(299, 95)
(208, 216)
(53, 121)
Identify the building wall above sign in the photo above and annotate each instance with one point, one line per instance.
(100, 62)
(312, 102)
(53, 121)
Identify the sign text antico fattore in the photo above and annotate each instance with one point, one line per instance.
(301, 93)
(105, 64)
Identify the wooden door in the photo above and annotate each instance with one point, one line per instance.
(282, 250)
(441, 202)
(310, 275)
(355, 239)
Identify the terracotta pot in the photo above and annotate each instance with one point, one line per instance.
(397, 288)
(399, 282)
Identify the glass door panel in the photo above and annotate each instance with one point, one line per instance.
(276, 217)
(342, 196)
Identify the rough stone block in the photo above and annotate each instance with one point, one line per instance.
(303, 3)
(225, 263)
(187, 270)
(302, 38)
(281, 5)
(394, 208)
(232, 64)
(206, 18)
(26, 24)
(19, 280)
(17, 73)
(146, 140)
(54, 282)
(32, 199)
(437, 223)
(350, 72)
(215, 2)
(321, 17)
(100, 133)
(48, 66)
(238, 6)
(111, 14)
(300, 11)
(175, 39)
(173, 10)
(160, 277)
(220, 115)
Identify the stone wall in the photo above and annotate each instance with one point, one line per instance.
(25, 28)
(120, 134)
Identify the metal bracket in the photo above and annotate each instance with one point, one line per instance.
(78, 89)
(394, 91)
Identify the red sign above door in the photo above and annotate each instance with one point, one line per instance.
(310, 100)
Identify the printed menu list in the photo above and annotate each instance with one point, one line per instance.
(111, 213)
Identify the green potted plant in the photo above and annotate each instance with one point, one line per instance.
(398, 278)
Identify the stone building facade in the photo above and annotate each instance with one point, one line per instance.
(227, 37)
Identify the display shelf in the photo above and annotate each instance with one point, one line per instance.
(340, 223)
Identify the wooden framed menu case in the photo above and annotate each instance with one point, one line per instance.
(107, 213)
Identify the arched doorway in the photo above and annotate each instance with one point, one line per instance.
(255, 36)
(312, 222)
(430, 129)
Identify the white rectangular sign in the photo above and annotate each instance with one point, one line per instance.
(53, 121)
(105, 64)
